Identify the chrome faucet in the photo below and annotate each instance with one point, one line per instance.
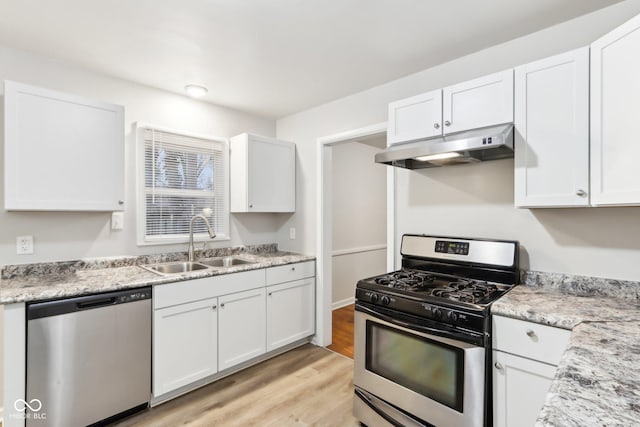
(212, 234)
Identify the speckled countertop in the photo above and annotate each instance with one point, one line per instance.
(24, 283)
(597, 382)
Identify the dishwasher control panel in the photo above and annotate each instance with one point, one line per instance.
(134, 296)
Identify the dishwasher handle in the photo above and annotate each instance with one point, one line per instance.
(37, 310)
(96, 303)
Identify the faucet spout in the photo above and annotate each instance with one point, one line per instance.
(212, 234)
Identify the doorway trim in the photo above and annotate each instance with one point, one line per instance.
(324, 222)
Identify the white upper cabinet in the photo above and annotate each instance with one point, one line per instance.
(62, 152)
(485, 101)
(552, 131)
(615, 116)
(263, 174)
(418, 117)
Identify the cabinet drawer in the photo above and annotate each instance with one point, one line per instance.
(531, 340)
(289, 272)
(208, 287)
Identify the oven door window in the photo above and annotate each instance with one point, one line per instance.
(428, 367)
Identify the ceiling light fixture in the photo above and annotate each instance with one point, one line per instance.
(196, 91)
(440, 156)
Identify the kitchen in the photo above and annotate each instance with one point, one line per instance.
(598, 242)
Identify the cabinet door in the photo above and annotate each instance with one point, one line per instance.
(263, 174)
(62, 152)
(290, 312)
(184, 344)
(520, 387)
(552, 131)
(414, 118)
(615, 103)
(485, 101)
(242, 330)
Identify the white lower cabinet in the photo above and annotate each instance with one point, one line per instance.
(290, 312)
(185, 344)
(204, 326)
(242, 330)
(525, 357)
(520, 386)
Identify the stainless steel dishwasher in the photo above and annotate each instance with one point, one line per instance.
(88, 358)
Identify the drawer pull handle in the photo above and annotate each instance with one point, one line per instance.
(530, 333)
(498, 366)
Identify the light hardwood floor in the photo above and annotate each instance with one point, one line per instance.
(307, 386)
(342, 330)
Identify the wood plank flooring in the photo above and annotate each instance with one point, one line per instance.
(342, 331)
(307, 386)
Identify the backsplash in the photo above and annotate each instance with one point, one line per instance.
(583, 285)
(67, 267)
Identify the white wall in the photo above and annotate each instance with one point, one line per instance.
(478, 200)
(359, 218)
(66, 236)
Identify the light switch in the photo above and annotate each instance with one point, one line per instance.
(117, 220)
(24, 245)
(292, 233)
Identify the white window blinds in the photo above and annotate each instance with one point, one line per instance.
(183, 176)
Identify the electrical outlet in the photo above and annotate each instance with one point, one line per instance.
(292, 233)
(117, 220)
(24, 245)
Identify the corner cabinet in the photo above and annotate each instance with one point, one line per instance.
(525, 358)
(263, 174)
(62, 152)
(615, 108)
(485, 101)
(552, 131)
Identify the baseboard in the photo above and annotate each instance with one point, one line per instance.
(339, 304)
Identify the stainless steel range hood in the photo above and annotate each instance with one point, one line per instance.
(490, 143)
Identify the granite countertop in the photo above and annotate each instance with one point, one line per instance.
(37, 282)
(597, 382)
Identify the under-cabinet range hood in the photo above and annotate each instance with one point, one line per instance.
(490, 143)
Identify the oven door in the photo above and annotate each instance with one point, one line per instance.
(435, 379)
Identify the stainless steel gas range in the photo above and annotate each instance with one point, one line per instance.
(423, 333)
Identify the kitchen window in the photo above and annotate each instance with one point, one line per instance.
(181, 175)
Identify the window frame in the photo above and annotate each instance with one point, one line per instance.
(141, 207)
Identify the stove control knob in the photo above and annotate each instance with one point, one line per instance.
(385, 300)
(437, 313)
(452, 316)
(374, 297)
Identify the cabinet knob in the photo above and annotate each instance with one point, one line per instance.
(498, 366)
(270, 293)
(121, 202)
(531, 333)
(250, 206)
(221, 305)
(213, 307)
(293, 269)
(581, 193)
(447, 123)
(436, 125)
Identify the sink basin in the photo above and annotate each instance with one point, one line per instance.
(176, 267)
(224, 261)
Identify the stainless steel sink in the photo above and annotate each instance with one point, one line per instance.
(224, 261)
(175, 267)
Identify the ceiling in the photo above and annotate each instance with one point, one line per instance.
(271, 57)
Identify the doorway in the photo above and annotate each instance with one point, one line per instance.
(355, 232)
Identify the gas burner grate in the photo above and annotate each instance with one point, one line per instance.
(465, 290)
(409, 280)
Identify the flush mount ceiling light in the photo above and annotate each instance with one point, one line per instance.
(196, 91)
(440, 156)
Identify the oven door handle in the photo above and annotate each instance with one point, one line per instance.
(398, 322)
